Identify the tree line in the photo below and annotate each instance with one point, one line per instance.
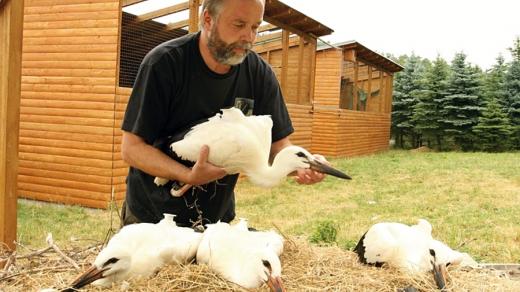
(457, 106)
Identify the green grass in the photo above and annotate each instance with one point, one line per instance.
(472, 201)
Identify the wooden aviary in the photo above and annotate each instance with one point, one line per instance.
(352, 100)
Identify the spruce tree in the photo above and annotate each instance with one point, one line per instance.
(512, 85)
(494, 83)
(461, 105)
(406, 85)
(493, 129)
(426, 112)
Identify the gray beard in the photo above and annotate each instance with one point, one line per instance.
(223, 52)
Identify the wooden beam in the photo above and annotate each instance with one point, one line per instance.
(267, 27)
(381, 92)
(282, 25)
(369, 88)
(268, 37)
(130, 2)
(355, 101)
(285, 61)
(164, 11)
(11, 26)
(312, 70)
(301, 51)
(178, 24)
(194, 15)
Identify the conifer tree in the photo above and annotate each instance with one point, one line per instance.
(493, 129)
(494, 83)
(426, 112)
(512, 85)
(461, 106)
(406, 85)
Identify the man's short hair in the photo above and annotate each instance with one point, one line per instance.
(213, 6)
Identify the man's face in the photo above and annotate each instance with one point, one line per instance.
(232, 34)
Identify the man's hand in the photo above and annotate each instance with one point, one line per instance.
(309, 176)
(204, 172)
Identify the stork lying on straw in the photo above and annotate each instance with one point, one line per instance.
(140, 250)
(410, 248)
(247, 258)
(241, 144)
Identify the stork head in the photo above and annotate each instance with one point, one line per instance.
(270, 271)
(294, 157)
(109, 266)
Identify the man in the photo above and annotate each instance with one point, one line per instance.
(186, 80)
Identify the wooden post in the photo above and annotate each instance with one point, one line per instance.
(11, 24)
(194, 16)
(301, 46)
(285, 61)
(355, 101)
(312, 70)
(369, 89)
(381, 91)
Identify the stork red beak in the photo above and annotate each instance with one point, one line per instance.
(275, 284)
(89, 276)
(319, 166)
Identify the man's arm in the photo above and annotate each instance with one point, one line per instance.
(302, 176)
(137, 153)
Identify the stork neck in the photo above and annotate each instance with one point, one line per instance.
(270, 175)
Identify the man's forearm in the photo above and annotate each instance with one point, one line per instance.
(151, 160)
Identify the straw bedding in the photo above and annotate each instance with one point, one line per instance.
(305, 268)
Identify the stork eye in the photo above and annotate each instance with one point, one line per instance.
(267, 264)
(301, 154)
(110, 261)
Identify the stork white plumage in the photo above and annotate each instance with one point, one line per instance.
(140, 250)
(410, 248)
(238, 256)
(241, 144)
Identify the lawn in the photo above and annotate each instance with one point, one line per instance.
(472, 201)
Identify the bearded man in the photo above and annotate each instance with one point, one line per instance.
(190, 79)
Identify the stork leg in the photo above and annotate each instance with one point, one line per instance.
(181, 191)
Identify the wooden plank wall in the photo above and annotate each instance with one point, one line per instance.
(341, 132)
(324, 131)
(272, 53)
(362, 133)
(328, 78)
(69, 66)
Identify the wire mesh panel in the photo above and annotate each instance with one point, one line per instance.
(137, 39)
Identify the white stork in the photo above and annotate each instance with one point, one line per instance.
(241, 144)
(140, 250)
(238, 256)
(410, 248)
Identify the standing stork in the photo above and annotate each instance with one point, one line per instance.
(241, 144)
(140, 250)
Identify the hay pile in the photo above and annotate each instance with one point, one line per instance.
(305, 268)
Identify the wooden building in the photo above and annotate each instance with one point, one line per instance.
(352, 100)
(78, 63)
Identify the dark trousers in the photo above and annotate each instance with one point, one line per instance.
(127, 217)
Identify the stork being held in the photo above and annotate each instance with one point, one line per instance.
(140, 250)
(241, 256)
(242, 144)
(410, 248)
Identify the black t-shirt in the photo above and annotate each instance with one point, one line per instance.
(174, 90)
